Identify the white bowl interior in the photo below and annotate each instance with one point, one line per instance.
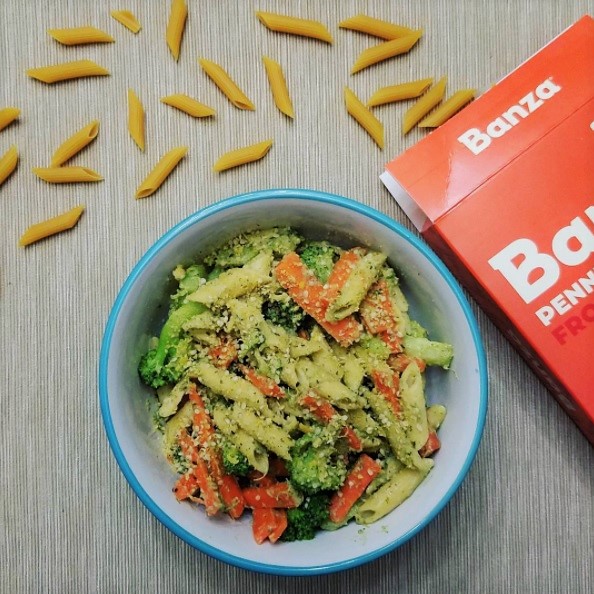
(433, 303)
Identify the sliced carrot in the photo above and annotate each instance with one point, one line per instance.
(208, 490)
(267, 386)
(357, 480)
(224, 353)
(387, 386)
(431, 446)
(393, 341)
(227, 485)
(185, 486)
(401, 361)
(276, 495)
(268, 523)
(340, 273)
(307, 291)
(325, 412)
(321, 408)
(280, 516)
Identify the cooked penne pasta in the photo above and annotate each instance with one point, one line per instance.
(8, 115)
(388, 49)
(226, 85)
(67, 71)
(408, 90)
(80, 36)
(424, 105)
(448, 108)
(241, 156)
(75, 144)
(366, 119)
(161, 171)
(375, 27)
(278, 86)
(294, 26)
(135, 119)
(189, 105)
(66, 175)
(176, 26)
(52, 226)
(126, 18)
(8, 163)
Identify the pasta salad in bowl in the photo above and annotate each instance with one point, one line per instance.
(292, 382)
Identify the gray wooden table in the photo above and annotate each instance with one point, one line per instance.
(523, 521)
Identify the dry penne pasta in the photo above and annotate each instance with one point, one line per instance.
(375, 27)
(294, 26)
(161, 171)
(8, 115)
(188, 105)
(448, 108)
(407, 90)
(424, 105)
(244, 155)
(176, 26)
(67, 71)
(52, 226)
(126, 18)
(80, 36)
(226, 85)
(278, 86)
(386, 50)
(135, 119)
(8, 163)
(75, 144)
(66, 175)
(366, 119)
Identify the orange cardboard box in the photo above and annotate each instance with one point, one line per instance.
(504, 193)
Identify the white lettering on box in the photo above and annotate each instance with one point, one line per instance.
(532, 272)
(476, 141)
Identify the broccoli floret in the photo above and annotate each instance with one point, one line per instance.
(320, 257)
(189, 280)
(304, 521)
(244, 247)
(284, 313)
(315, 464)
(157, 371)
(166, 363)
(234, 461)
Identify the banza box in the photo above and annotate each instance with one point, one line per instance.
(504, 193)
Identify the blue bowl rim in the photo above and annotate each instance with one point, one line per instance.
(317, 196)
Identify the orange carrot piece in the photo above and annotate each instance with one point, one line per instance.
(224, 353)
(388, 387)
(267, 386)
(227, 485)
(208, 490)
(340, 272)
(321, 408)
(325, 412)
(392, 340)
(307, 291)
(357, 480)
(185, 486)
(431, 446)
(268, 523)
(352, 439)
(276, 495)
(401, 361)
(282, 521)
